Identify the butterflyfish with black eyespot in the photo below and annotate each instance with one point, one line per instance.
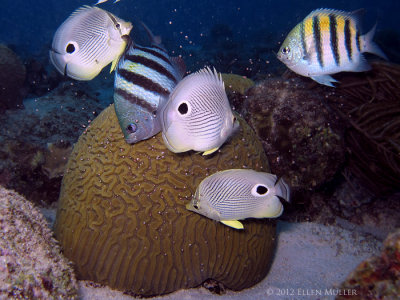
(326, 42)
(198, 115)
(237, 194)
(87, 41)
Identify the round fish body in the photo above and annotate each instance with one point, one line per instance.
(326, 42)
(237, 194)
(87, 41)
(197, 115)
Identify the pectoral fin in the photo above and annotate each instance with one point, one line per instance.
(233, 223)
(210, 151)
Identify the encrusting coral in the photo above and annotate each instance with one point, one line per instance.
(122, 218)
(31, 264)
(378, 277)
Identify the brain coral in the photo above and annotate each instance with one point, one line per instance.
(122, 219)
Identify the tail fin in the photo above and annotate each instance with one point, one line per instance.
(368, 45)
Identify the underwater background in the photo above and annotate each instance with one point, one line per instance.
(184, 25)
(338, 148)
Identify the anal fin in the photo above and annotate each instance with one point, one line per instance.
(324, 79)
(210, 151)
(233, 223)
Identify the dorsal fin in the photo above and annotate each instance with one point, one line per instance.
(155, 40)
(355, 15)
(179, 64)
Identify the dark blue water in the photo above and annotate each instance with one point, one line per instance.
(28, 26)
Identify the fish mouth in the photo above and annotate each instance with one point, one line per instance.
(131, 139)
(167, 143)
(58, 62)
(279, 213)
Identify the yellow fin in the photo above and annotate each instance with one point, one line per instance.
(233, 223)
(210, 151)
(114, 63)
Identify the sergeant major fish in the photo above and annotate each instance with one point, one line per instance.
(88, 41)
(144, 78)
(197, 115)
(326, 42)
(236, 194)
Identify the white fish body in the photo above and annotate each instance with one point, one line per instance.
(102, 1)
(236, 194)
(326, 42)
(87, 41)
(198, 115)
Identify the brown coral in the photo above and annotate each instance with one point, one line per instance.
(122, 216)
(12, 77)
(236, 83)
(31, 265)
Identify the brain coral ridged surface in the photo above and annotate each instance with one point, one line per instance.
(122, 218)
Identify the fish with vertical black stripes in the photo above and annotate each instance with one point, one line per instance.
(144, 78)
(326, 42)
(198, 115)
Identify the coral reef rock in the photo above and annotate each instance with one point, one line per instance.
(31, 264)
(377, 277)
(35, 141)
(55, 159)
(122, 218)
(12, 78)
(302, 139)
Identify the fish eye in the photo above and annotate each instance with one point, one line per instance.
(118, 25)
(70, 48)
(131, 128)
(286, 50)
(183, 108)
(259, 190)
(195, 206)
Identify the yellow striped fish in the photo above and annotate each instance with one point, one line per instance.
(326, 42)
